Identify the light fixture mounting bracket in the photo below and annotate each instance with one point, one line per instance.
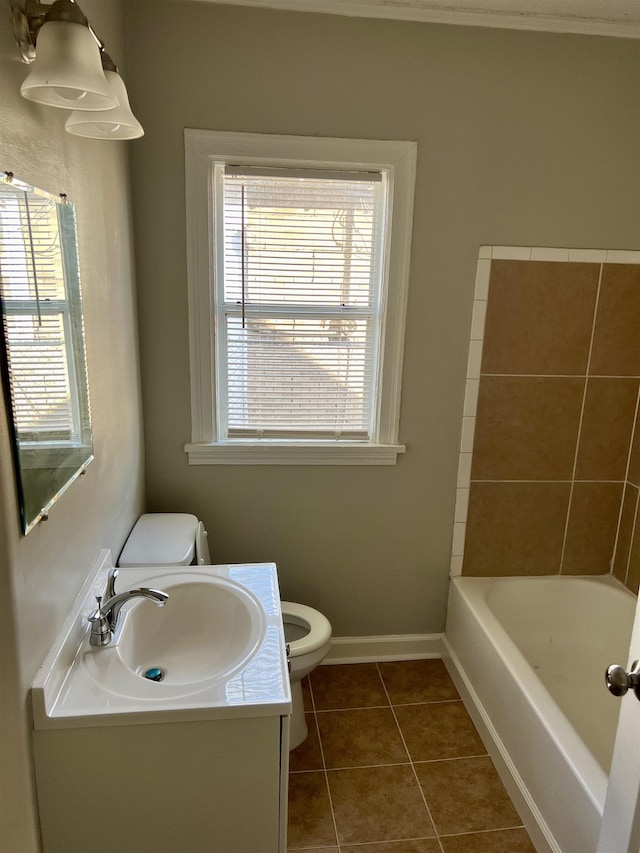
(27, 22)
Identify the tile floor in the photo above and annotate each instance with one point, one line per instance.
(393, 764)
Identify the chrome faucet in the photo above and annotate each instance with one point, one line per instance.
(105, 620)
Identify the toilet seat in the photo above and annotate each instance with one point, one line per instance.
(319, 627)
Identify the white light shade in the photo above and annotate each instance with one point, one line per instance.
(67, 71)
(119, 123)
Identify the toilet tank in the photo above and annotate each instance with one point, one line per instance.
(163, 539)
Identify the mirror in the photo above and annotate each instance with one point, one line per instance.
(43, 365)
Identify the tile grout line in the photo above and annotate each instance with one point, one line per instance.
(324, 766)
(553, 482)
(628, 482)
(394, 764)
(584, 400)
(634, 525)
(413, 769)
(379, 707)
(486, 831)
(559, 376)
(451, 759)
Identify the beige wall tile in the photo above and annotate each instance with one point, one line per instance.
(515, 528)
(591, 532)
(616, 342)
(526, 428)
(539, 317)
(605, 434)
(625, 532)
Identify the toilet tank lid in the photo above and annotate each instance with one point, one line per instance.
(159, 539)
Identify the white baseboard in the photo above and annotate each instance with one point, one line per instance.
(392, 647)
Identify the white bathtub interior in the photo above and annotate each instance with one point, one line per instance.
(569, 646)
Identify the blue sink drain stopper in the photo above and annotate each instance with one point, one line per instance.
(154, 674)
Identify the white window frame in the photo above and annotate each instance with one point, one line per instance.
(205, 148)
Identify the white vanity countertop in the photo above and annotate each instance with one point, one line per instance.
(75, 687)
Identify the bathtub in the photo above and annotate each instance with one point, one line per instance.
(528, 656)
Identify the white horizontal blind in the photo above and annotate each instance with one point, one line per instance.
(36, 318)
(298, 302)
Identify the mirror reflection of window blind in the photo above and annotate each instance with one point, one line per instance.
(36, 319)
(299, 302)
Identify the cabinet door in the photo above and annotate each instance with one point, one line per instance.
(201, 787)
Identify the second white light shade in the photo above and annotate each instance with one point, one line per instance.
(67, 71)
(119, 123)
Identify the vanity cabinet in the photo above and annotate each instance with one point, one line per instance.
(210, 786)
(194, 763)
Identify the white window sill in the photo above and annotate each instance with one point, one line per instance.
(275, 452)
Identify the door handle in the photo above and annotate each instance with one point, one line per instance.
(619, 681)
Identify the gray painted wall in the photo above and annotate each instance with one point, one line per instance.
(523, 138)
(41, 574)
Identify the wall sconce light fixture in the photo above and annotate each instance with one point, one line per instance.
(118, 123)
(71, 70)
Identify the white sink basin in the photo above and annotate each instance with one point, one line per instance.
(209, 628)
(217, 643)
(205, 630)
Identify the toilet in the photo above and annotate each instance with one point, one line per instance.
(180, 539)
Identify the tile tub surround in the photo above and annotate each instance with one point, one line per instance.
(549, 475)
(391, 755)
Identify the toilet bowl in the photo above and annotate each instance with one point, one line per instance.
(180, 539)
(307, 633)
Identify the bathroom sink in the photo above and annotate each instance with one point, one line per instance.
(215, 649)
(206, 630)
(209, 628)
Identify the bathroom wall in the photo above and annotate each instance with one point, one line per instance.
(41, 574)
(523, 139)
(557, 396)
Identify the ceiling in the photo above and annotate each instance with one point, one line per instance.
(620, 18)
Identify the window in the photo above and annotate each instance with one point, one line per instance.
(298, 269)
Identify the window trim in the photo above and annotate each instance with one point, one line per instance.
(202, 149)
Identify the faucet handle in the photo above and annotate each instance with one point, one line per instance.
(100, 627)
(110, 591)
